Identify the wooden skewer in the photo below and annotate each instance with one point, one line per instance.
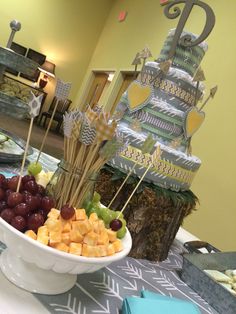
(48, 128)
(123, 183)
(141, 179)
(25, 154)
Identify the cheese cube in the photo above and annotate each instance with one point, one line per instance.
(54, 213)
(75, 248)
(110, 249)
(75, 236)
(98, 226)
(65, 238)
(80, 214)
(31, 234)
(103, 238)
(66, 227)
(62, 247)
(83, 226)
(117, 245)
(93, 217)
(42, 231)
(43, 239)
(53, 225)
(54, 238)
(91, 238)
(102, 250)
(90, 251)
(111, 235)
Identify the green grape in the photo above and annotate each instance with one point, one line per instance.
(34, 168)
(97, 210)
(96, 197)
(121, 232)
(88, 205)
(113, 214)
(123, 222)
(106, 215)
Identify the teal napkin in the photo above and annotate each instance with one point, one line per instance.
(8, 174)
(153, 303)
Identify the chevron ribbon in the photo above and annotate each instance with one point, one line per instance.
(160, 166)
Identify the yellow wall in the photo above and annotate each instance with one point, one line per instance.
(66, 31)
(214, 221)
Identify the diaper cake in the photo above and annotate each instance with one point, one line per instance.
(162, 102)
(160, 110)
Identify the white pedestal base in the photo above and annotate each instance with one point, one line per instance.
(32, 278)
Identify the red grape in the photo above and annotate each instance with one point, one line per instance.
(8, 192)
(2, 194)
(22, 209)
(32, 201)
(31, 186)
(12, 183)
(3, 205)
(34, 221)
(25, 194)
(14, 199)
(27, 178)
(41, 190)
(7, 214)
(2, 180)
(116, 224)
(5, 183)
(47, 203)
(19, 223)
(67, 212)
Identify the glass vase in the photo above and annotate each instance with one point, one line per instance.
(71, 185)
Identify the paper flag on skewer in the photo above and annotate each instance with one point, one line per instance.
(145, 53)
(136, 125)
(213, 91)
(68, 122)
(34, 105)
(62, 90)
(34, 108)
(137, 60)
(110, 149)
(163, 70)
(212, 94)
(91, 114)
(105, 131)
(199, 76)
(165, 66)
(148, 144)
(76, 130)
(87, 133)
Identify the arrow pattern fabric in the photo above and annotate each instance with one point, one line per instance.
(104, 290)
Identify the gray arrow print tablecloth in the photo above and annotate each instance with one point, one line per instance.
(104, 290)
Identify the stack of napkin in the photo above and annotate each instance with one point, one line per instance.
(153, 303)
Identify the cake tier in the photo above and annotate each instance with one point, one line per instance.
(164, 122)
(177, 87)
(173, 170)
(185, 58)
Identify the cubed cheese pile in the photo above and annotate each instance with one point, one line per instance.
(80, 235)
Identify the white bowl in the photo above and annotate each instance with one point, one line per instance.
(38, 268)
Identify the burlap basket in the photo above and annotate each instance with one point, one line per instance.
(153, 215)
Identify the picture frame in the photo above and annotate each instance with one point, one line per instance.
(21, 50)
(37, 57)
